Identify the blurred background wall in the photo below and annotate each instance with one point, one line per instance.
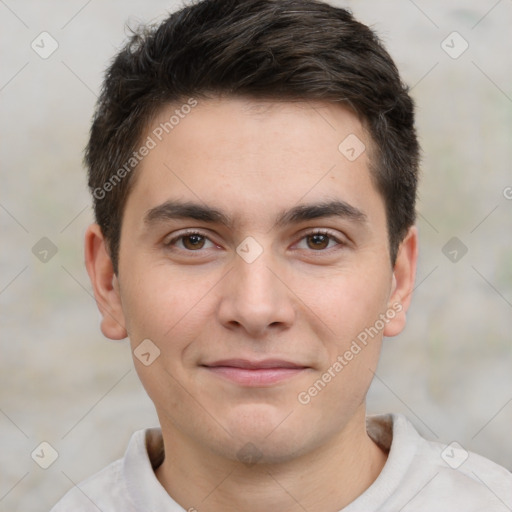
(62, 383)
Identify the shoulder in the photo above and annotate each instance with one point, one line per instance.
(448, 475)
(106, 490)
(96, 492)
(475, 480)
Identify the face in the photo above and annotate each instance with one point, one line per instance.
(254, 255)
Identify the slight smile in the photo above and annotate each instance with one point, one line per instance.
(255, 373)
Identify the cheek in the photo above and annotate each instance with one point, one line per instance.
(353, 311)
(350, 332)
(345, 304)
(164, 305)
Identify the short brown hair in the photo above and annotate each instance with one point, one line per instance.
(261, 49)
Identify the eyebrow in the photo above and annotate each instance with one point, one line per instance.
(305, 212)
(185, 210)
(171, 210)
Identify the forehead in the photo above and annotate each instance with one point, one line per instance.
(274, 124)
(255, 155)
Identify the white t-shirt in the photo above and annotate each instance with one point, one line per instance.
(419, 476)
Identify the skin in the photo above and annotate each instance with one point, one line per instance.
(304, 299)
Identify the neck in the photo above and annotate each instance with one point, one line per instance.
(327, 478)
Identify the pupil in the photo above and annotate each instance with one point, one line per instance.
(194, 241)
(319, 241)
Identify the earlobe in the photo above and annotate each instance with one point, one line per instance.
(105, 284)
(404, 273)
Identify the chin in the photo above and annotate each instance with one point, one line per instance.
(262, 452)
(265, 435)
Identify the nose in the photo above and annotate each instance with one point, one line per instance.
(255, 297)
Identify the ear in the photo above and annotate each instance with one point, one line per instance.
(105, 284)
(404, 273)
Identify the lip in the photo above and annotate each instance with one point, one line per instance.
(255, 373)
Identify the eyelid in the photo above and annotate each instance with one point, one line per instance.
(186, 232)
(334, 235)
(321, 231)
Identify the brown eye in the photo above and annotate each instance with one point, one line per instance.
(193, 242)
(317, 241)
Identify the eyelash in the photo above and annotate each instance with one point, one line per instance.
(327, 233)
(324, 232)
(172, 242)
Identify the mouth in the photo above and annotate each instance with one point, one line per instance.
(255, 373)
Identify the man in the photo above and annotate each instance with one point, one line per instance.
(254, 169)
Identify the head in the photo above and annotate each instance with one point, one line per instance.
(279, 136)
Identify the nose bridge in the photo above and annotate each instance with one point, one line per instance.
(252, 263)
(254, 297)
(254, 282)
